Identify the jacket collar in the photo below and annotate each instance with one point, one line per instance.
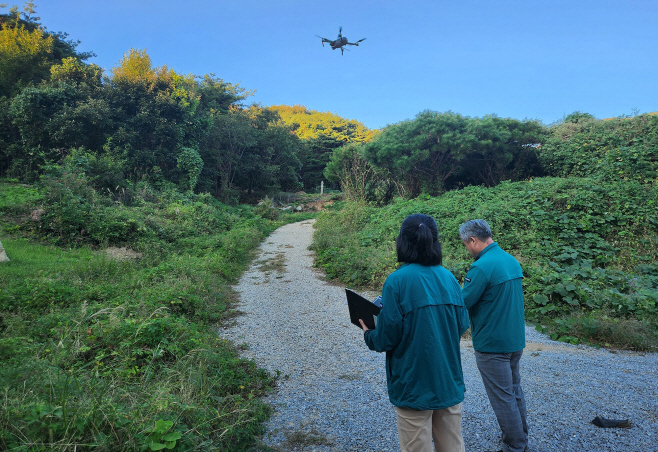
(488, 248)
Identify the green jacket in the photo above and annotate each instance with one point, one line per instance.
(419, 327)
(493, 294)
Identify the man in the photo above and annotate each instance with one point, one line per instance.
(493, 295)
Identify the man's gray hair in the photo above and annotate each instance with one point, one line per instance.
(475, 228)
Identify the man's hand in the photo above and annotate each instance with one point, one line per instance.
(363, 325)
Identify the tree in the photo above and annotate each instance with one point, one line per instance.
(155, 114)
(249, 151)
(134, 67)
(314, 156)
(25, 55)
(436, 152)
(75, 72)
(502, 149)
(67, 112)
(217, 96)
(322, 133)
(273, 163)
(35, 113)
(421, 154)
(578, 116)
(27, 50)
(39, 116)
(358, 179)
(190, 162)
(228, 137)
(311, 124)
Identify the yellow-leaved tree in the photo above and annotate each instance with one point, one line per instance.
(25, 54)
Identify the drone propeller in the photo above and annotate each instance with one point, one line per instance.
(340, 31)
(360, 40)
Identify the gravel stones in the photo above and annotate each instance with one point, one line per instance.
(331, 394)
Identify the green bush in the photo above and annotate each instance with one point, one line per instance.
(618, 148)
(16, 200)
(105, 172)
(586, 246)
(266, 210)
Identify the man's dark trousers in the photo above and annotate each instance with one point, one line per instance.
(502, 381)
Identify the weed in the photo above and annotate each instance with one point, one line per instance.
(276, 263)
(350, 377)
(300, 439)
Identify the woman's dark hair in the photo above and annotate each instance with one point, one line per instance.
(418, 242)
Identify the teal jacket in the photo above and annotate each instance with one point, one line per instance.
(493, 294)
(419, 327)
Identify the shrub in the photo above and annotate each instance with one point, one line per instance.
(586, 246)
(614, 149)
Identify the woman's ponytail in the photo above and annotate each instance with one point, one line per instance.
(424, 241)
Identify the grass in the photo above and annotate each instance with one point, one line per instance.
(114, 351)
(276, 263)
(96, 351)
(299, 439)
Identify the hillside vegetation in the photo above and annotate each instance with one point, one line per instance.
(107, 319)
(150, 123)
(588, 241)
(322, 133)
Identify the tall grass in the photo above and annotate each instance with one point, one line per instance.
(104, 354)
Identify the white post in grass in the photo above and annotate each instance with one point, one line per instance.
(322, 187)
(3, 255)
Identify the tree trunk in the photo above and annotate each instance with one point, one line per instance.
(3, 255)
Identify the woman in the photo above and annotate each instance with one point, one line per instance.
(419, 327)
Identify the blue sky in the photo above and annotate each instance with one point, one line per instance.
(535, 59)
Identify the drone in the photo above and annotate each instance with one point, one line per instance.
(340, 42)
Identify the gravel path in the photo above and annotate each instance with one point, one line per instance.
(331, 394)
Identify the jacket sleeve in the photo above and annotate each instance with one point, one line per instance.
(475, 283)
(388, 333)
(462, 318)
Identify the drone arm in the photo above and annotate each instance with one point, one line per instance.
(356, 43)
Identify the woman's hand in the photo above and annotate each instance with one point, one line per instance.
(363, 325)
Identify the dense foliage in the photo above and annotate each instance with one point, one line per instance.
(27, 50)
(617, 148)
(153, 123)
(117, 350)
(438, 151)
(322, 133)
(588, 249)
